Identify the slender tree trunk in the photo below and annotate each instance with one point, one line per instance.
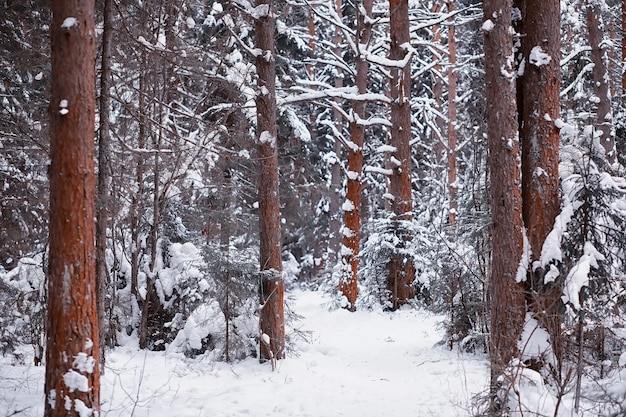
(401, 267)
(452, 138)
(104, 178)
(72, 354)
(438, 86)
(538, 107)
(352, 206)
(271, 316)
(334, 240)
(507, 294)
(623, 44)
(600, 80)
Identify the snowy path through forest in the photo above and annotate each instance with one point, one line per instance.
(356, 364)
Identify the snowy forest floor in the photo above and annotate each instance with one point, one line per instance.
(367, 363)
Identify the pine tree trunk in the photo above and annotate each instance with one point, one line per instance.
(352, 206)
(600, 80)
(72, 372)
(507, 295)
(271, 316)
(538, 108)
(104, 177)
(401, 267)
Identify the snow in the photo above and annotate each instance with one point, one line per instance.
(84, 363)
(538, 57)
(386, 148)
(522, 268)
(75, 381)
(488, 25)
(535, 341)
(347, 205)
(267, 138)
(366, 363)
(63, 107)
(69, 22)
(578, 276)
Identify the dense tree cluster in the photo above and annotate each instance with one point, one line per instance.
(463, 157)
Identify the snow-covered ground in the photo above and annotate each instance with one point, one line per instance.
(354, 364)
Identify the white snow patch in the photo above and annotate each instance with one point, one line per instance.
(267, 138)
(578, 277)
(535, 341)
(488, 25)
(538, 57)
(386, 148)
(522, 268)
(69, 22)
(84, 363)
(82, 409)
(348, 205)
(75, 381)
(552, 274)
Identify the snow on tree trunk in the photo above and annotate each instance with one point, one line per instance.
(352, 205)
(600, 81)
(401, 267)
(538, 109)
(72, 373)
(271, 315)
(507, 295)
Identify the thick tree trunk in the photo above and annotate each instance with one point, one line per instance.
(401, 267)
(507, 294)
(104, 179)
(72, 373)
(352, 206)
(538, 108)
(271, 316)
(600, 80)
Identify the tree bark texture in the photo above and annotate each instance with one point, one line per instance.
(452, 137)
(104, 177)
(538, 108)
(72, 374)
(348, 282)
(334, 240)
(401, 267)
(507, 295)
(271, 316)
(604, 120)
(623, 45)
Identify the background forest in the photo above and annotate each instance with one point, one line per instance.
(178, 174)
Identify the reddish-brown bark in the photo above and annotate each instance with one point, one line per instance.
(600, 80)
(271, 315)
(401, 267)
(507, 295)
(538, 107)
(72, 372)
(352, 209)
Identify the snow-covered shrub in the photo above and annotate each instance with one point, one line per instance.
(234, 286)
(22, 306)
(384, 242)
